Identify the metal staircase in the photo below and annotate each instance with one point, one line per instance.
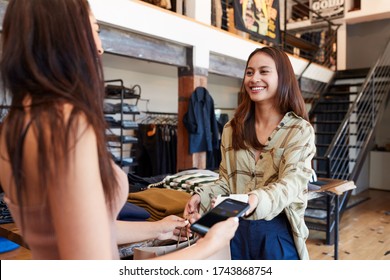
(344, 118)
(329, 112)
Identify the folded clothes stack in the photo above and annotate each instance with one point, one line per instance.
(160, 202)
(132, 212)
(187, 180)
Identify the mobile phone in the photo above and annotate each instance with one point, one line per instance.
(240, 197)
(224, 210)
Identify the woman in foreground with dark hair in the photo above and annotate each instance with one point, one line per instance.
(63, 190)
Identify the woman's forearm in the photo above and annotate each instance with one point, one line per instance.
(167, 228)
(129, 232)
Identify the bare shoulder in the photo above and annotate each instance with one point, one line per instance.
(80, 125)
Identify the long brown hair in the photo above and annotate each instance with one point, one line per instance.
(49, 55)
(288, 98)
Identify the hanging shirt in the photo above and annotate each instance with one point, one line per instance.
(201, 122)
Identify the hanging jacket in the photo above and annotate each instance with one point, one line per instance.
(201, 123)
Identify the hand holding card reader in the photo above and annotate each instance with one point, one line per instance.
(226, 209)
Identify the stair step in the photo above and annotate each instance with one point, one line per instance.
(319, 203)
(350, 84)
(332, 133)
(340, 93)
(334, 101)
(331, 112)
(350, 81)
(327, 122)
(316, 226)
(353, 146)
(352, 73)
(324, 133)
(334, 159)
(320, 158)
(332, 122)
(323, 145)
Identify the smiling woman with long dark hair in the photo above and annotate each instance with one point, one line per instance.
(267, 150)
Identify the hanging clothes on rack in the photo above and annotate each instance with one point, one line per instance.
(157, 144)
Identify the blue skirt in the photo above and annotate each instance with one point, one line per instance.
(264, 240)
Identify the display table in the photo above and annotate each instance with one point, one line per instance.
(334, 188)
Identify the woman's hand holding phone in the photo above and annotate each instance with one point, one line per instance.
(226, 209)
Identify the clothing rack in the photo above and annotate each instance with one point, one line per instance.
(158, 118)
(157, 145)
(159, 113)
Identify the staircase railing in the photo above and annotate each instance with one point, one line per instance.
(315, 42)
(354, 135)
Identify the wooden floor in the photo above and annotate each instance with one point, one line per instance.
(364, 233)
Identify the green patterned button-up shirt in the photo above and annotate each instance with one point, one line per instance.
(279, 178)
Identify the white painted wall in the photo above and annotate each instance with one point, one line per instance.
(199, 10)
(379, 170)
(224, 91)
(369, 10)
(366, 42)
(159, 83)
(382, 135)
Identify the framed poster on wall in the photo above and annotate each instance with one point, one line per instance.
(328, 9)
(259, 18)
